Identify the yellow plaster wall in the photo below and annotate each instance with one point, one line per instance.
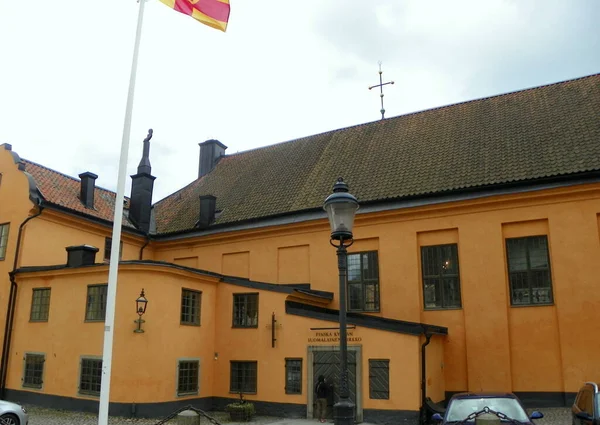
(15, 206)
(486, 333)
(145, 362)
(49, 235)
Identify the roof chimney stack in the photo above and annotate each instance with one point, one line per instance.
(142, 185)
(208, 204)
(210, 153)
(88, 184)
(81, 255)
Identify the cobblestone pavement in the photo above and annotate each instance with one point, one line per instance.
(44, 416)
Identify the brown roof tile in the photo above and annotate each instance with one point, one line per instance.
(546, 131)
(63, 190)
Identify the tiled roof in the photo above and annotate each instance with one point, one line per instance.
(552, 130)
(63, 191)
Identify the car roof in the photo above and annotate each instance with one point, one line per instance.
(483, 394)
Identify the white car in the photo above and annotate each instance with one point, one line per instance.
(12, 414)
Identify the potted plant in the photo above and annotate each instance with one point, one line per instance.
(240, 411)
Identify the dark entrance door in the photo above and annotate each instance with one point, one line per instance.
(327, 363)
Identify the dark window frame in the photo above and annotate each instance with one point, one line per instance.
(242, 300)
(441, 279)
(90, 376)
(33, 370)
(4, 232)
(379, 394)
(108, 249)
(192, 368)
(363, 283)
(40, 305)
(238, 385)
(293, 365)
(91, 313)
(193, 317)
(532, 290)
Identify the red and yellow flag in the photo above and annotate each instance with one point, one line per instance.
(214, 13)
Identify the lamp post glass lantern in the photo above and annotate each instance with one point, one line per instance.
(140, 308)
(341, 207)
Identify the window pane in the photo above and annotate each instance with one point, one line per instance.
(190, 307)
(40, 304)
(354, 273)
(529, 270)
(188, 377)
(34, 369)
(90, 376)
(363, 281)
(441, 277)
(3, 239)
(245, 310)
(243, 377)
(96, 302)
(293, 376)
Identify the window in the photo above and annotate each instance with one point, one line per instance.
(33, 370)
(293, 376)
(108, 249)
(243, 377)
(40, 305)
(245, 310)
(90, 376)
(363, 281)
(441, 280)
(187, 381)
(95, 309)
(379, 379)
(3, 239)
(190, 307)
(529, 270)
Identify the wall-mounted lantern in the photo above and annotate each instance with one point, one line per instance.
(140, 307)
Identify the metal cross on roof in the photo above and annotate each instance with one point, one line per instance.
(380, 85)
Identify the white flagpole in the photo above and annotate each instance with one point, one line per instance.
(116, 234)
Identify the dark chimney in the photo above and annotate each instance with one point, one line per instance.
(210, 153)
(142, 185)
(88, 184)
(207, 210)
(81, 255)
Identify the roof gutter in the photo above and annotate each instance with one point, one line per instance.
(424, 376)
(10, 311)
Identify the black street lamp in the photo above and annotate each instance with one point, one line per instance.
(140, 307)
(341, 207)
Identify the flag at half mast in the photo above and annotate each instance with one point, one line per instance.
(214, 13)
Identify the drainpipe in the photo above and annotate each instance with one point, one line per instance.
(424, 377)
(10, 311)
(144, 246)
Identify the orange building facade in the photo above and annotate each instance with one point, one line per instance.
(477, 279)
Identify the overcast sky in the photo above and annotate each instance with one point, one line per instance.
(283, 70)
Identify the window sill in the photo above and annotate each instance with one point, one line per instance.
(531, 305)
(85, 394)
(244, 327)
(38, 321)
(33, 387)
(187, 394)
(94, 321)
(243, 392)
(441, 308)
(363, 311)
(189, 324)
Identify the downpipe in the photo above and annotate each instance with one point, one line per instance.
(424, 378)
(10, 311)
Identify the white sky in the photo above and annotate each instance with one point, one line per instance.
(283, 70)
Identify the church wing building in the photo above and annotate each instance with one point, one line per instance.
(474, 267)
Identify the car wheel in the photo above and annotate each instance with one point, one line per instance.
(9, 419)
